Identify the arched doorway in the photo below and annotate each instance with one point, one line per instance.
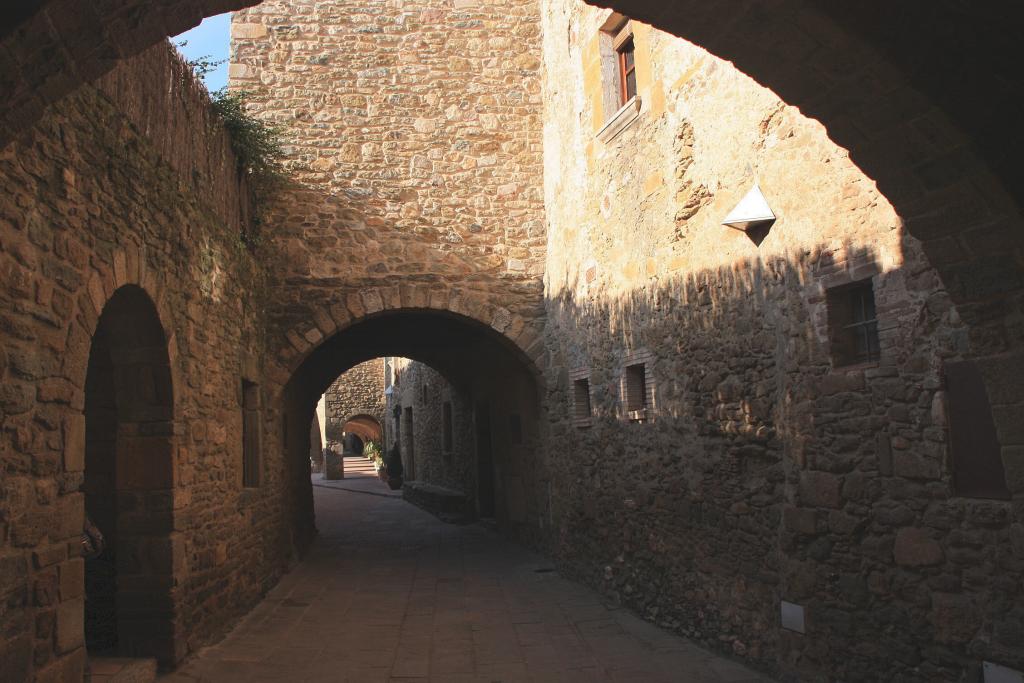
(129, 480)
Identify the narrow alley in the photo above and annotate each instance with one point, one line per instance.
(390, 593)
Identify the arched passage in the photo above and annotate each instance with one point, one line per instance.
(129, 477)
(366, 427)
(483, 367)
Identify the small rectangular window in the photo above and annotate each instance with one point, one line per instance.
(250, 434)
(424, 393)
(581, 408)
(977, 462)
(636, 392)
(446, 419)
(627, 65)
(852, 324)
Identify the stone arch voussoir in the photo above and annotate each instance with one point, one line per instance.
(127, 267)
(354, 307)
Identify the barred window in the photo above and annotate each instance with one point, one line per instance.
(853, 324)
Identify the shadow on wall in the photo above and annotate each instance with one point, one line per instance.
(752, 462)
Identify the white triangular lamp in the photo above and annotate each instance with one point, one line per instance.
(751, 211)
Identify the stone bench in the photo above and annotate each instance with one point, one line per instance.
(448, 505)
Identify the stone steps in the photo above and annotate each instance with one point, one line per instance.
(121, 670)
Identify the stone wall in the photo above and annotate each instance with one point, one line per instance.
(360, 391)
(414, 138)
(432, 463)
(763, 472)
(127, 186)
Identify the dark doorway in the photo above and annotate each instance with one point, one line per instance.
(129, 482)
(485, 461)
(408, 445)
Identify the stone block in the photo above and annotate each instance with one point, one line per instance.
(955, 618)
(324, 322)
(45, 588)
(883, 451)
(907, 463)
(70, 517)
(70, 625)
(249, 31)
(314, 336)
(74, 443)
(355, 305)
(45, 557)
(372, 301)
(72, 579)
(915, 547)
(13, 571)
(800, 520)
(16, 656)
(652, 183)
(820, 489)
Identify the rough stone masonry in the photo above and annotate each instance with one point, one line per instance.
(654, 399)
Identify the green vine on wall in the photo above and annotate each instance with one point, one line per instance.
(256, 144)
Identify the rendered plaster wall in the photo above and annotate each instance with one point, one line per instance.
(765, 473)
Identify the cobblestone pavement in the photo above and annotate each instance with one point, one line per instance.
(390, 593)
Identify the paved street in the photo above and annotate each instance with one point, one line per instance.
(390, 593)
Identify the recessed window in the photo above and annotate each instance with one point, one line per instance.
(636, 392)
(611, 78)
(424, 393)
(446, 424)
(852, 324)
(250, 434)
(623, 43)
(977, 462)
(581, 407)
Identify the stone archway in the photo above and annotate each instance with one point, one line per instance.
(366, 427)
(129, 480)
(466, 349)
(518, 334)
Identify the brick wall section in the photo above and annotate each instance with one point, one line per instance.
(414, 136)
(766, 474)
(106, 191)
(360, 391)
